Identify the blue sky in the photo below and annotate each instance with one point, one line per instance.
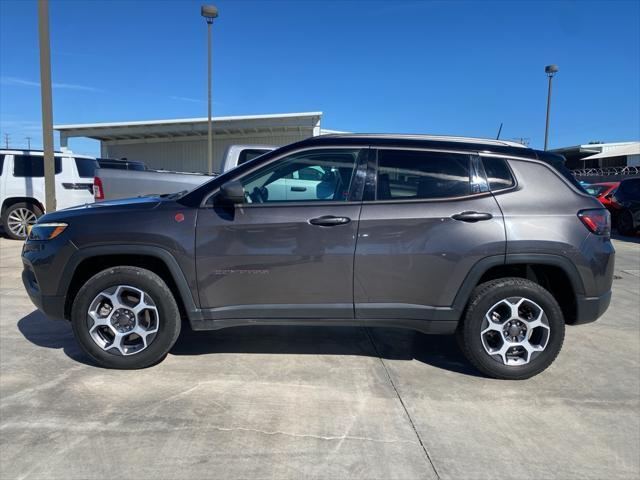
(421, 67)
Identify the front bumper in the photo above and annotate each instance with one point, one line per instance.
(51, 305)
(43, 274)
(591, 308)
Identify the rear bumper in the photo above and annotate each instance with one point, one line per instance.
(591, 308)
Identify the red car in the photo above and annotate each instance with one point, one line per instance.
(603, 191)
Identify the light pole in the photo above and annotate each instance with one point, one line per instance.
(209, 12)
(550, 70)
(47, 109)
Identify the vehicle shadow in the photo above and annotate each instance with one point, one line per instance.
(624, 238)
(439, 351)
(43, 332)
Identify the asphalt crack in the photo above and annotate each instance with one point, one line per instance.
(406, 411)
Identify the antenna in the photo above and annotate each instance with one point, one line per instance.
(28, 143)
(6, 141)
(499, 131)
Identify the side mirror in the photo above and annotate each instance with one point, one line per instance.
(231, 193)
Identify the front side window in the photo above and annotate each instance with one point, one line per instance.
(408, 174)
(320, 175)
(32, 166)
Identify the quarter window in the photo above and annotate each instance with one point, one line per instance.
(407, 174)
(321, 175)
(32, 166)
(86, 167)
(498, 173)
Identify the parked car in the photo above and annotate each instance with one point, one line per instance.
(626, 201)
(603, 191)
(487, 239)
(22, 186)
(110, 184)
(121, 164)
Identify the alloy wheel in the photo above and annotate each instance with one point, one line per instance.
(514, 331)
(123, 320)
(19, 220)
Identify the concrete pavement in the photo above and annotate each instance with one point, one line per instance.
(292, 402)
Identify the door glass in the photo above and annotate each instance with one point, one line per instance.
(409, 174)
(320, 175)
(28, 166)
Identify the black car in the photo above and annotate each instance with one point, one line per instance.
(627, 201)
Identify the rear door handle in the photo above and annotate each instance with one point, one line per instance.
(472, 217)
(298, 189)
(329, 221)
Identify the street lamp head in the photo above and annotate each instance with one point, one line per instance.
(209, 12)
(551, 70)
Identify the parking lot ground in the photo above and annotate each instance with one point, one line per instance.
(307, 402)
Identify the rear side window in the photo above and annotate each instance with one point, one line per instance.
(32, 166)
(407, 174)
(86, 167)
(1, 163)
(498, 173)
(136, 166)
(250, 154)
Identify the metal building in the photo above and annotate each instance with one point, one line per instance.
(181, 144)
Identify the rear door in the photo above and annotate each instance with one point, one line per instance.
(277, 257)
(427, 218)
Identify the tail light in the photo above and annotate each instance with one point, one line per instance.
(98, 192)
(597, 221)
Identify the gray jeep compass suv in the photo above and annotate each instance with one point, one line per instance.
(486, 239)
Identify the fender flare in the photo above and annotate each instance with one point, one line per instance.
(161, 254)
(483, 266)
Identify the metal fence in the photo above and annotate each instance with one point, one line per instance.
(607, 172)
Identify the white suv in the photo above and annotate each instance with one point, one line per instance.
(22, 186)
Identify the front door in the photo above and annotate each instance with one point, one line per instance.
(287, 252)
(427, 220)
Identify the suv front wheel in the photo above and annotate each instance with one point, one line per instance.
(125, 317)
(513, 329)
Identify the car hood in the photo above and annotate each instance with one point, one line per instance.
(124, 204)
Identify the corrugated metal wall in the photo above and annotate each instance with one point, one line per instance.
(191, 155)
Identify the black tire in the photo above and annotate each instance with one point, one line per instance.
(31, 207)
(625, 223)
(487, 295)
(168, 325)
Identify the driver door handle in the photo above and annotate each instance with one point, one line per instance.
(329, 221)
(472, 216)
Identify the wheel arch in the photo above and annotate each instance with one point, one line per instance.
(555, 273)
(13, 200)
(87, 262)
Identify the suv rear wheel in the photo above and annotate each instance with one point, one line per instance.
(512, 329)
(125, 317)
(18, 217)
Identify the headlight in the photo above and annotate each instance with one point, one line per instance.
(46, 231)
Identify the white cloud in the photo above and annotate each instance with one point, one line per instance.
(21, 82)
(186, 99)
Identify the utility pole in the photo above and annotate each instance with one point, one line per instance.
(209, 12)
(550, 70)
(28, 143)
(6, 141)
(47, 105)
